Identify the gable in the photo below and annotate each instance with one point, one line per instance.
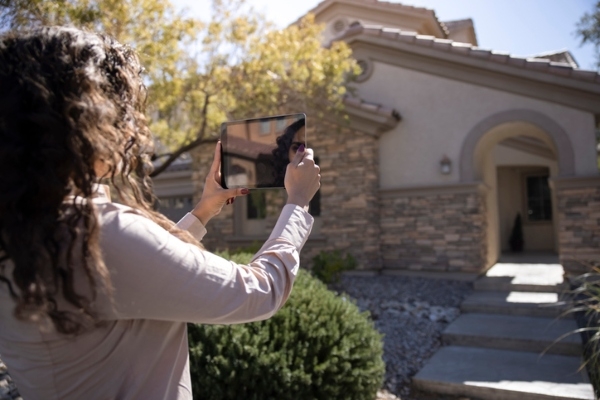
(532, 77)
(338, 15)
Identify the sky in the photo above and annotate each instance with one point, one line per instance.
(520, 27)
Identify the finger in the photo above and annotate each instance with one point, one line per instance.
(233, 193)
(298, 156)
(309, 155)
(216, 164)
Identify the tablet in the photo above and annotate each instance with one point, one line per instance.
(256, 152)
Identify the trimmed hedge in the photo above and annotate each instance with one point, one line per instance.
(318, 346)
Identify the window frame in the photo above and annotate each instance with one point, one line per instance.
(535, 173)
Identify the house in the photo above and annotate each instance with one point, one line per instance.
(447, 143)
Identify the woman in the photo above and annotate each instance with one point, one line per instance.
(288, 144)
(95, 295)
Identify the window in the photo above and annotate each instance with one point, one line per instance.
(256, 205)
(265, 126)
(539, 203)
(281, 124)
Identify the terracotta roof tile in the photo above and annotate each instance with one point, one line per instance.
(443, 44)
(545, 64)
(480, 53)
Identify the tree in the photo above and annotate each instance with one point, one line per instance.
(200, 74)
(588, 29)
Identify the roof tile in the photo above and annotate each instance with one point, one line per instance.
(517, 61)
(442, 44)
(538, 64)
(480, 53)
(585, 75)
(424, 40)
(499, 57)
(390, 33)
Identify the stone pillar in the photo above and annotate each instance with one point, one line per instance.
(436, 228)
(578, 207)
(349, 194)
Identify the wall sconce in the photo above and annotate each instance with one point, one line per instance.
(445, 165)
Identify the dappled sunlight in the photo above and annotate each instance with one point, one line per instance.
(548, 274)
(528, 297)
(574, 390)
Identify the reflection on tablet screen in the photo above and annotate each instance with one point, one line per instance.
(256, 152)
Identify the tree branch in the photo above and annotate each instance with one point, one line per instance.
(185, 148)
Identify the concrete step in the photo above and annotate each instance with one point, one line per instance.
(533, 304)
(534, 334)
(491, 374)
(525, 277)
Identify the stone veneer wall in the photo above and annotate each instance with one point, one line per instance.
(430, 231)
(349, 198)
(349, 162)
(578, 206)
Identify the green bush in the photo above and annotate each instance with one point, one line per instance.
(318, 346)
(328, 266)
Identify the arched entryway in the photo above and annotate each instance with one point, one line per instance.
(514, 153)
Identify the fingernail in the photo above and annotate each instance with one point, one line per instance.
(301, 148)
(232, 200)
(245, 191)
(228, 201)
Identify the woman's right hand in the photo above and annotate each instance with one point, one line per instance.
(302, 178)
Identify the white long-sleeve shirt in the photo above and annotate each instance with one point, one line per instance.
(160, 284)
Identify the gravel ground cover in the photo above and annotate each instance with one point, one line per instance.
(8, 390)
(410, 312)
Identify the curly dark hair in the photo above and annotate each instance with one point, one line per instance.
(281, 153)
(68, 99)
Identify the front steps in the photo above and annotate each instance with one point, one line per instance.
(503, 375)
(504, 345)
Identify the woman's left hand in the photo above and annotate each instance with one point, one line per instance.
(214, 197)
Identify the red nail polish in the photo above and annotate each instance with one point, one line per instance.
(301, 148)
(245, 191)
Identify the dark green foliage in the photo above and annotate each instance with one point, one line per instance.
(318, 346)
(328, 266)
(516, 236)
(588, 29)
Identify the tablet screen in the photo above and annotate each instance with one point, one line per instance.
(256, 152)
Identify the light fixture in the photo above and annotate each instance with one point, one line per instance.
(445, 165)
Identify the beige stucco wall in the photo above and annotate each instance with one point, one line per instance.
(437, 115)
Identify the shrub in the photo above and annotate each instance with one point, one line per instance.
(318, 346)
(328, 266)
(516, 237)
(586, 306)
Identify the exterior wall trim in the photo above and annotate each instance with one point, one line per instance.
(504, 77)
(578, 182)
(368, 122)
(420, 190)
(566, 157)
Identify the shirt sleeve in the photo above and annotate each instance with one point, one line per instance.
(193, 225)
(157, 276)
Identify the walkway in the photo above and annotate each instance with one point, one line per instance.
(503, 346)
